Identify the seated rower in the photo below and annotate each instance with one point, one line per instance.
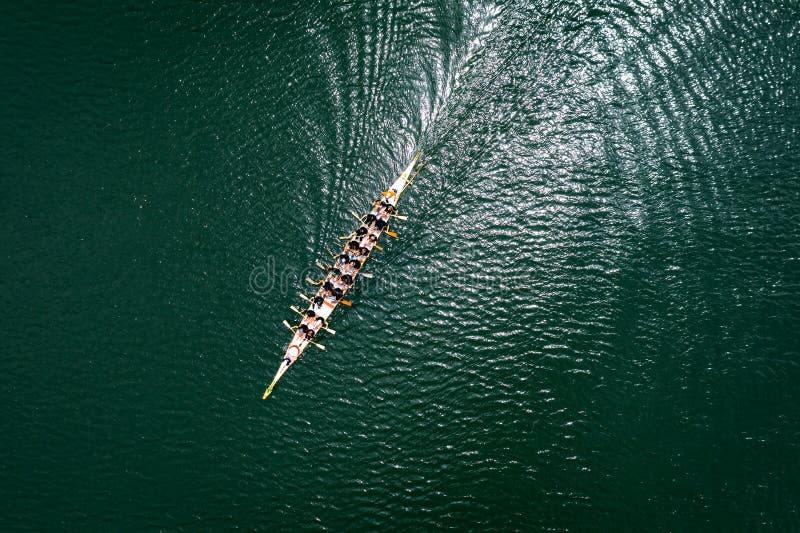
(385, 214)
(339, 260)
(347, 280)
(337, 294)
(348, 268)
(378, 224)
(327, 292)
(353, 245)
(368, 242)
(336, 282)
(363, 241)
(369, 219)
(309, 317)
(306, 332)
(371, 229)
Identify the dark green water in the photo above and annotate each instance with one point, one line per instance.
(590, 321)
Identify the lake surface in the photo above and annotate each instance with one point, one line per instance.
(589, 322)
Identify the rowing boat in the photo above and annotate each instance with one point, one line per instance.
(325, 301)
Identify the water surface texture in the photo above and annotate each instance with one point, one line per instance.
(590, 321)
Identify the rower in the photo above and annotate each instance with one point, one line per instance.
(347, 279)
(370, 218)
(355, 266)
(361, 231)
(306, 332)
(309, 316)
(326, 293)
(341, 260)
(333, 277)
(353, 245)
(368, 242)
(336, 274)
(337, 293)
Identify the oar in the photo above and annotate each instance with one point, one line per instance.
(360, 218)
(345, 302)
(329, 251)
(346, 237)
(400, 217)
(311, 281)
(320, 265)
(392, 234)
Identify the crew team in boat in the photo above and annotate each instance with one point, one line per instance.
(341, 276)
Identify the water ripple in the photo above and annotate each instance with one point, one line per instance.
(589, 319)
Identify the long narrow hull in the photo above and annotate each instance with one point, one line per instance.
(326, 300)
